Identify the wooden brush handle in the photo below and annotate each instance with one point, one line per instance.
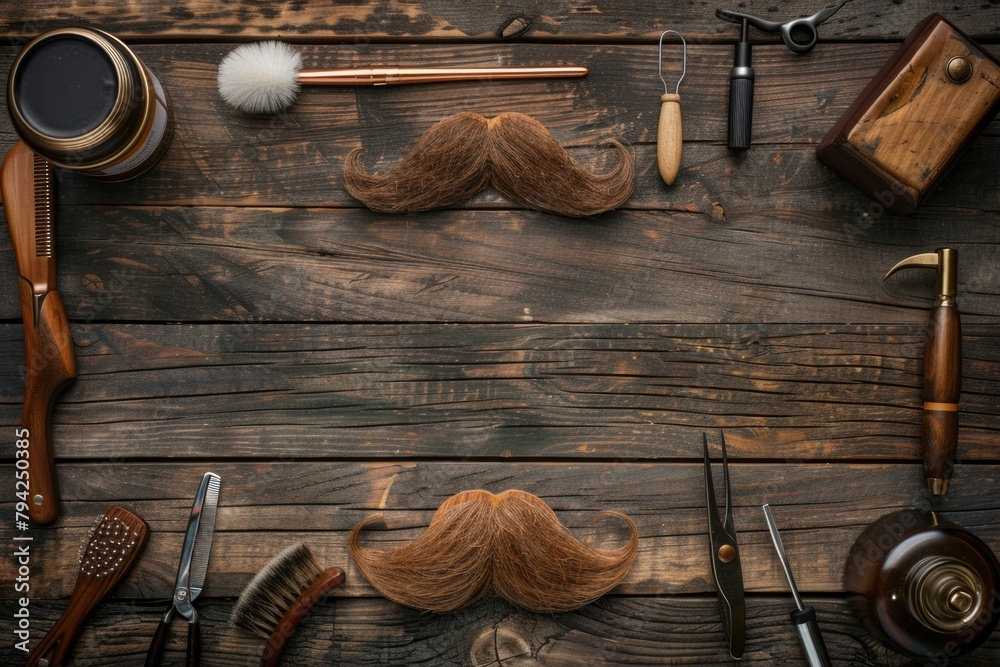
(89, 590)
(285, 628)
(942, 386)
(669, 138)
(50, 364)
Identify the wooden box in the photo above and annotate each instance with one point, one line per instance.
(914, 120)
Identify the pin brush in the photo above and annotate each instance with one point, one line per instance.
(669, 137)
(106, 556)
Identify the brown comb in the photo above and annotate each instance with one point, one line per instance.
(50, 364)
(111, 549)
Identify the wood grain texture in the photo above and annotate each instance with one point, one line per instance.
(492, 633)
(441, 20)
(235, 310)
(822, 508)
(534, 390)
(265, 264)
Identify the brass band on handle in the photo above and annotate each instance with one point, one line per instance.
(941, 407)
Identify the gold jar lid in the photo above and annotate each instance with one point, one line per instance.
(85, 123)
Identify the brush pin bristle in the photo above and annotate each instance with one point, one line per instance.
(107, 545)
(274, 589)
(260, 78)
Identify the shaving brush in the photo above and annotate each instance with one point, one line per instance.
(264, 77)
(280, 596)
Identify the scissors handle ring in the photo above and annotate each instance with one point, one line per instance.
(802, 27)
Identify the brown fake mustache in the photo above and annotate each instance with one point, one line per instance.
(514, 153)
(511, 543)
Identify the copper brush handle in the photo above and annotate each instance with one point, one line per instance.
(50, 364)
(383, 76)
(285, 628)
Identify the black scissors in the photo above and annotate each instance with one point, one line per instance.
(725, 554)
(799, 35)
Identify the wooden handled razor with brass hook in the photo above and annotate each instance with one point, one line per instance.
(49, 360)
(942, 369)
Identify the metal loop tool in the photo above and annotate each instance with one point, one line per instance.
(669, 133)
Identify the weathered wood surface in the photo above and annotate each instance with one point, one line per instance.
(443, 20)
(821, 508)
(264, 264)
(613, 631)
(524, 391)
(235, 310)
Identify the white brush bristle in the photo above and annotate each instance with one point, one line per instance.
(260, 77)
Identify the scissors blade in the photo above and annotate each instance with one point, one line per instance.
(206, 531)
(197, 544)
(824, 14)
(756, 21)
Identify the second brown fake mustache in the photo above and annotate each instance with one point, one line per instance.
(514, 153)
(511, 544)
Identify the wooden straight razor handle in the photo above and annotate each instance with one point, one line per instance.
(50, 364)
(942, 369)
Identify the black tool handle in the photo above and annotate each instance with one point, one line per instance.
(812, 641)
(155, 652)
(194, 645)
(741, 98)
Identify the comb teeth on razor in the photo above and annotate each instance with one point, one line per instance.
(43, 207)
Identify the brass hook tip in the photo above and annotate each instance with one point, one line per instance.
(926, 260)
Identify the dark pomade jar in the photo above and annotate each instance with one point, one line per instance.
(83, 100)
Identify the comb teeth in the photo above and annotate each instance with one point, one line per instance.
(108, 544)
(43, 207)
(203, 542)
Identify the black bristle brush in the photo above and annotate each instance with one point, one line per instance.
(279, 597)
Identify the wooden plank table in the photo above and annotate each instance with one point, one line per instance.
(235, 310)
